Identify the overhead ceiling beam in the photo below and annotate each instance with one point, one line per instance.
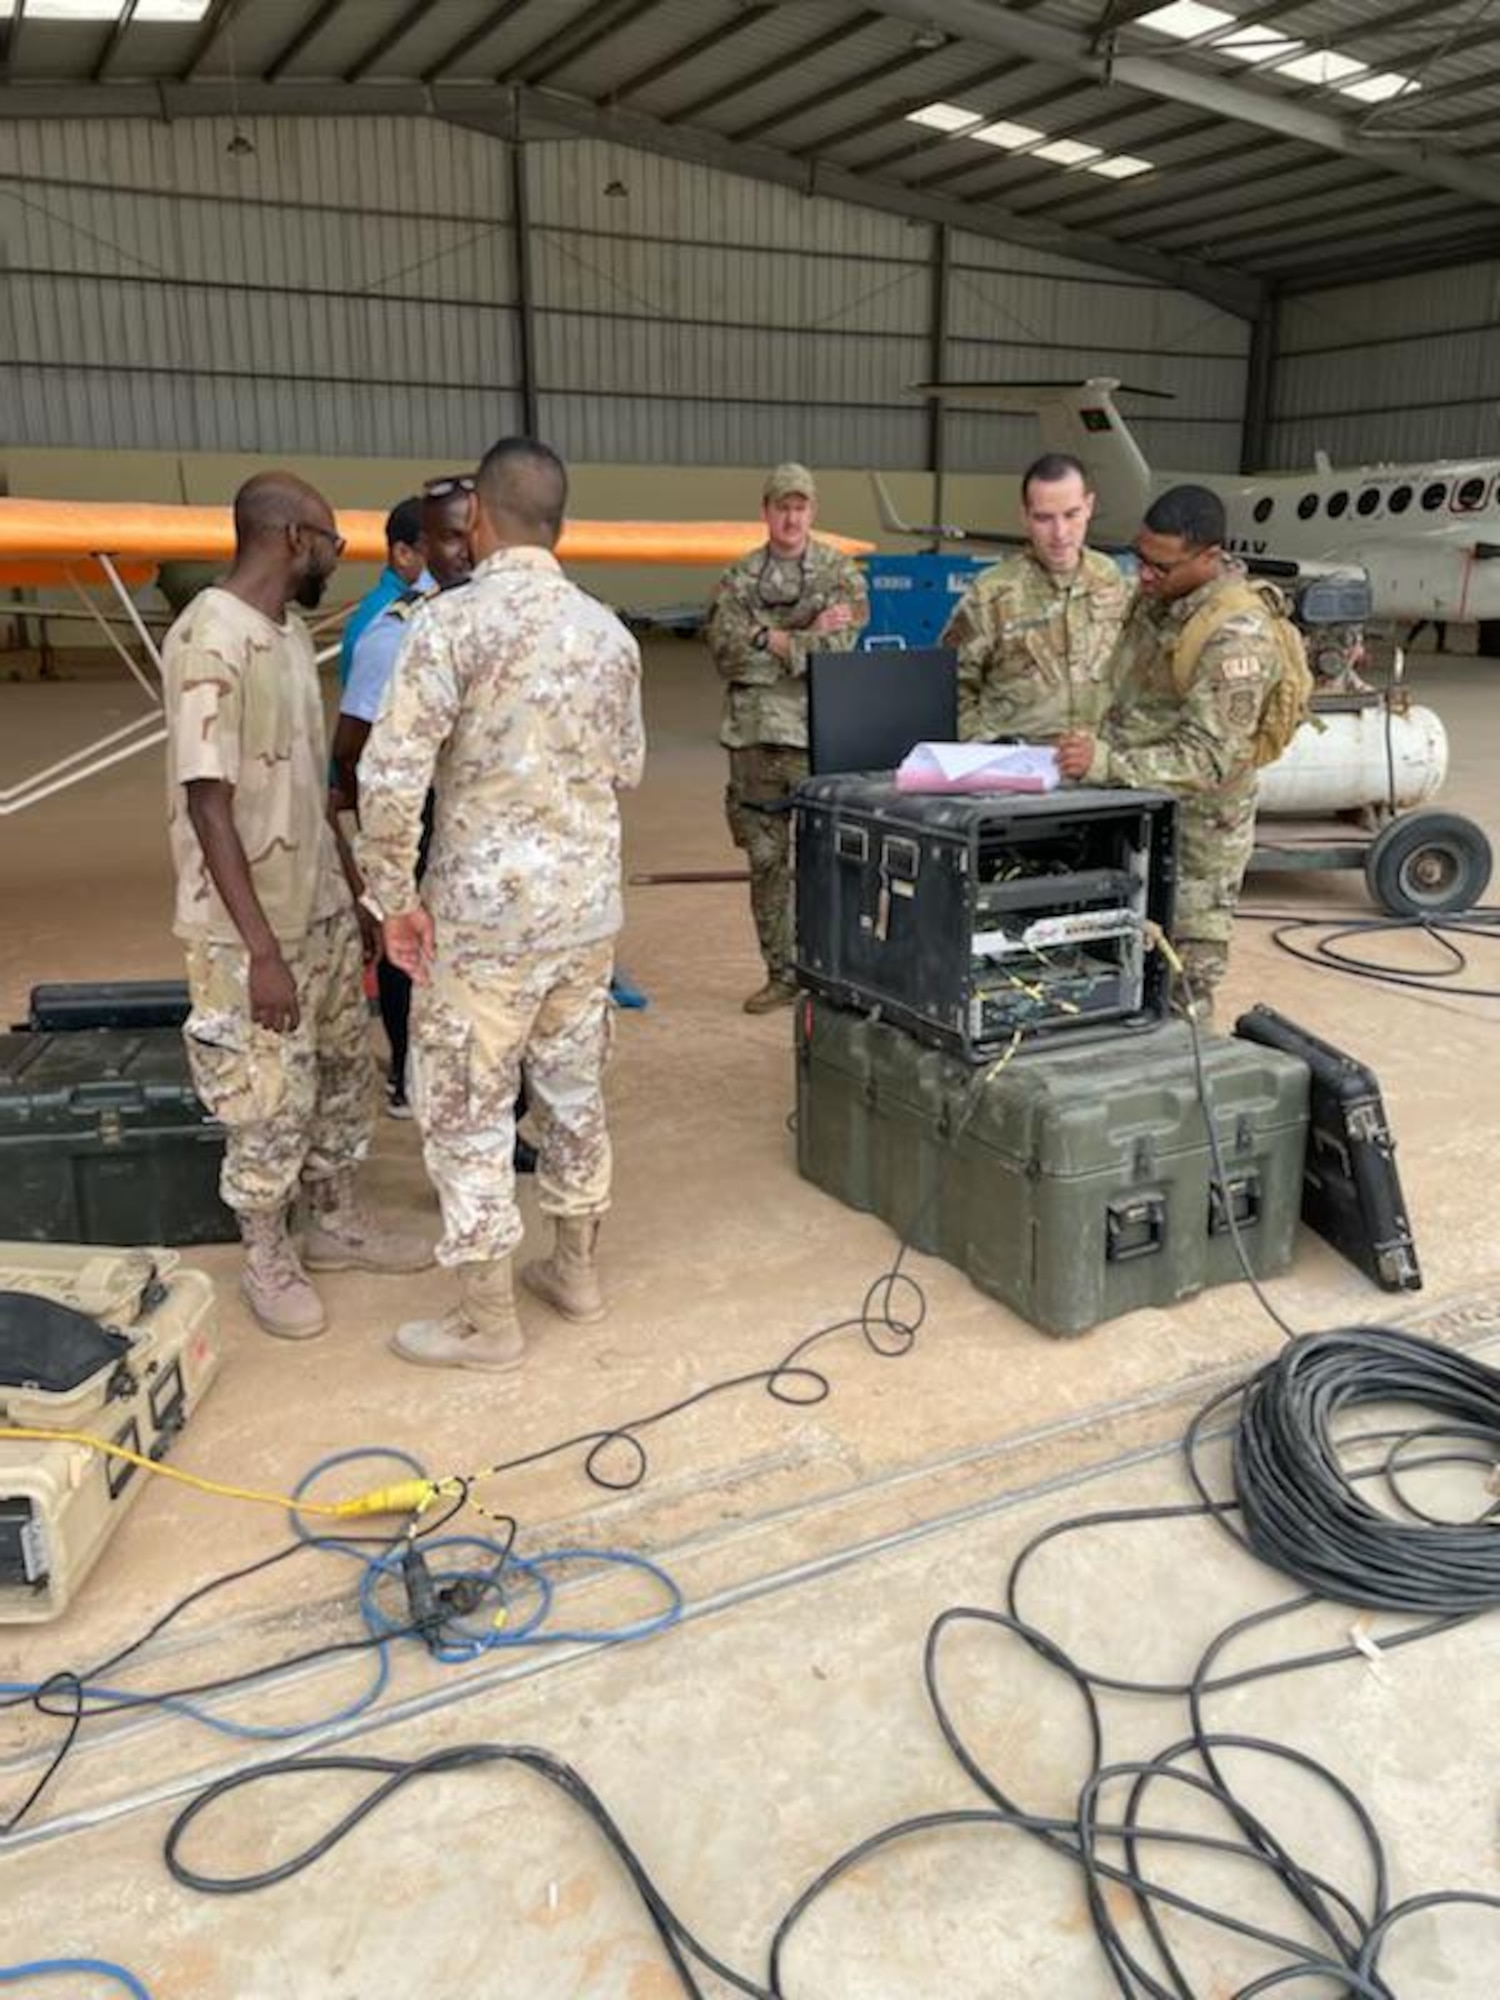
(1440, 255)
(713, 38)
(777, 67)
(381, 47)
(559, 47)
(1176, 81)
(1269, 239)
(219, 16)
(296, 42)
(832, 93)
(520, 111)
(113, 40)
(456, 51)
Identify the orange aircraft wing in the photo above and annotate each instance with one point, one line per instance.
(60, 531)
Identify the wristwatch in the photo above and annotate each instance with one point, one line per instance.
(760, 639)
(368, 902)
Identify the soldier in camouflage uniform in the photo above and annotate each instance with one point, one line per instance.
(517, 701)
(772, 608)
(276, 1033)
(1035, 634)
(1197, 742)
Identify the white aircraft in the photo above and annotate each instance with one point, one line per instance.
(1426, 537)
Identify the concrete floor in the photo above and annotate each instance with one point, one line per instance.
(786, 1718)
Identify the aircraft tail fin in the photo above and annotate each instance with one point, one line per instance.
(1081, 418)
(892, 522)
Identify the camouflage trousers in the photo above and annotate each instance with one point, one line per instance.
(1215, 838)
(765, 775)
(485, 1017)
(294, 1107)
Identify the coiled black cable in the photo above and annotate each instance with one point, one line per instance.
(1298, 1501)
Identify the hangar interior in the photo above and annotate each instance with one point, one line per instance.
(684, 240)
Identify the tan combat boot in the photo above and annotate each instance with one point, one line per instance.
(273, 1281)
(481, 1331)
(777, 992)
(569, 1279)
(343, 1235)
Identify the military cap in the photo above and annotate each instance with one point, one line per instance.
(789, 478)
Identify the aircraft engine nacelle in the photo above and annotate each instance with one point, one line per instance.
(1370, 756)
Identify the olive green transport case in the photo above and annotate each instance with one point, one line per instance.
(1074, 1184)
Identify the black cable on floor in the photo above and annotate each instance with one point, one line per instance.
(1325, 941)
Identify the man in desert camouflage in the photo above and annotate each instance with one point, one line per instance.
(517, 701)
(276, 1036)
(790, 597)
(1196, 740)
(1035, 634)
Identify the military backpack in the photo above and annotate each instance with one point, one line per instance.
(1288, 704)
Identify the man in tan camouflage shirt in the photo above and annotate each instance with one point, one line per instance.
(276, 1036)
(1196, 740)
(789, 598)
(517, 699)
(1036, 632)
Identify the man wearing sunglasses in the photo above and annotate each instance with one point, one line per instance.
(517, 703)
(789, 598)
(276, 1035)
(1198, 661)
(1035, 634)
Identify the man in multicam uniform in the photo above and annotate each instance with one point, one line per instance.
(1198, 741)
(1035, 634)
(276, 1036)
(517, 700)
(784, 600)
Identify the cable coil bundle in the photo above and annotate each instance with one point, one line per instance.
(1300, 1507)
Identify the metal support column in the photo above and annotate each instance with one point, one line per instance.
(1260, 386)
(520, 209)
(937, 419)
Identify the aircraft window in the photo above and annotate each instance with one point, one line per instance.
(1368, 501)
(1470, 495)
(1399, 501)
(1433, 496)
(1307, 506)
(1264, 508)
(1338, 504)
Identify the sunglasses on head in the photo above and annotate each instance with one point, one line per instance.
(330, 535)
(457, 482)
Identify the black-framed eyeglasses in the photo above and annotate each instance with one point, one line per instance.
(457, 482)
(1166, 568)
(329, 534)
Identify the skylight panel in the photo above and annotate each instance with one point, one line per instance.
(1321, 66)
(1011, 137)
(1120, 167)
(1068, 152)
(1254, 44)
(944, 117)
(1186, 19)
(1380, 87)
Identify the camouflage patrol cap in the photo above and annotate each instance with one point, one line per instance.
(786, 479)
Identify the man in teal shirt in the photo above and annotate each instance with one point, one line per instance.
(404, 561)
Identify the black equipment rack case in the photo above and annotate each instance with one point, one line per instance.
(965, 919)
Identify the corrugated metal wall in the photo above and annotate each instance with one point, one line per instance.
(1427, 387)
(351, 287)
(347, 287)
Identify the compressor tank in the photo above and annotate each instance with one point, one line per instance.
(1363, 757)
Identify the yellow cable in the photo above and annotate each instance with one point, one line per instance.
(408, 1496)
